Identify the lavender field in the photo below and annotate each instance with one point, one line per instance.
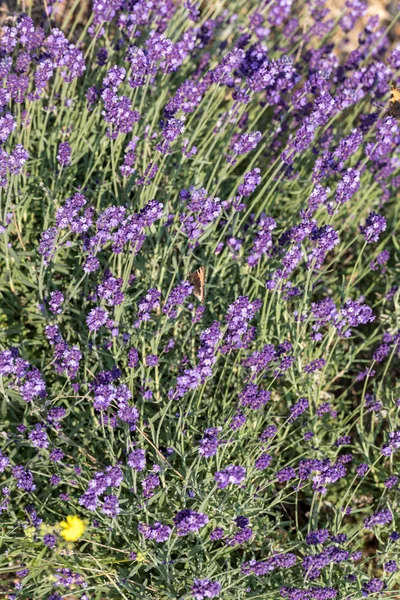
(199, 300)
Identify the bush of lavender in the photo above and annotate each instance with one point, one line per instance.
(155, 446)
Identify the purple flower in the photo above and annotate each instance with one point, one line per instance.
(110, 289)
(238, 334)
(208, 445)
(391, 482)
(204, 588)
(240, 537)
(137, 459)
(387, 133)
(298, 409)
(263, 462)
(285, 474)
(372, 586)
(315, 365)
(55, 302)
(148, 303)
(17, 159)
(7, 126)
(65, 55)
(24, 478)
(96, 319)
(269, 432)
(47, 244)
(157, 532)
(201, 211)
(238, 420)
(278, 561)
(149, 484)
(56, 455)
(133, 358)
(381, 517)
(390, 566)
(380, 261)
(64, 154)
(39, 437)
(318, 536)
(216, 534)
(50, 540)
(111, 506)
(251, 180)
(263, 240)
(347, 186)
(354, 313)
(4, 462)
(187, 521)
(177, 297)
(373, 227)
(232, 474)
(343, 440)
(244, 143)
(118, 113)
(151, 360)
(254, 397)
(362, 470)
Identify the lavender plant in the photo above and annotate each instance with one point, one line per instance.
(153, 446)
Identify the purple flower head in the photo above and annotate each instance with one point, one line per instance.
(149, 484)
(187, 521)
(251, 180)
(133, 358)
(65, 55)
(263, 241)
(47, 244)
(354, 314)
(137, 459)
(237, 317)
(24, 478)
(208, 445)
(374, 226)
(390, 566)
(391, 482)
(158, 532)
(372, 586)
(55, 302)
(232, 474)
(111, 506)
(362, 470)
(4, 462)
(285, 474)
(263, 462)
(96, 319)
(118, 113)
(317, 537)
(298, 409)
(176, 298)
(216, 534)
(151, 360)
(148, 303)
(64, 154)
(381, 517)
(67, 215)
(56, 455)
(244, 143)
(50, 540)
(380, 261)
(204, 588)
(315, 365)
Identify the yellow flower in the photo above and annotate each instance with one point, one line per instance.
(140, 557)
(73, 528)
